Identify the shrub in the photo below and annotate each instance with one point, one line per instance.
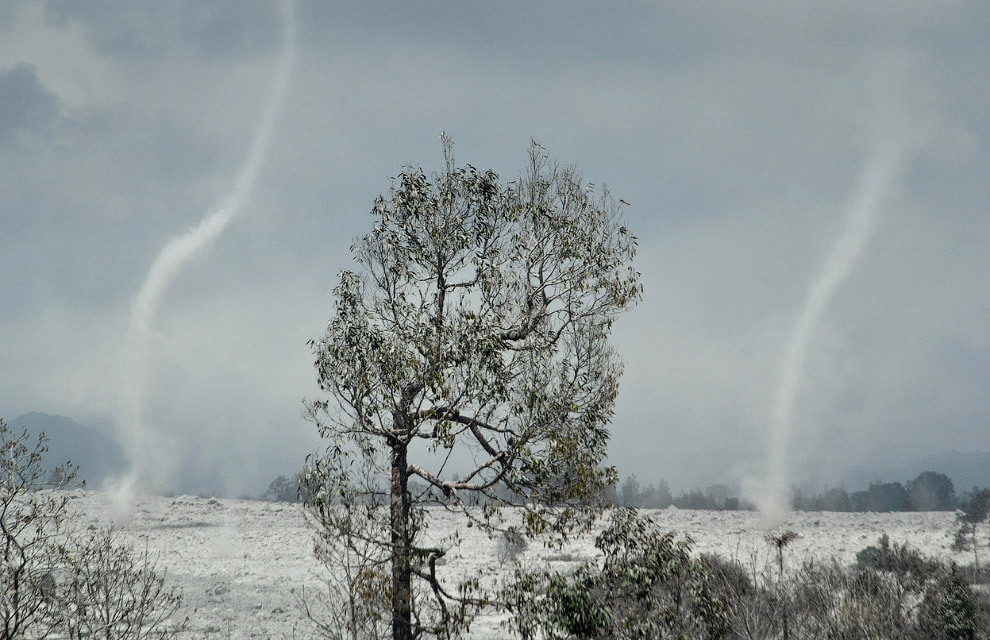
(949, 609)
(893, 591)
(752, 604)
(511, 544)
(113, 591)
(648, 586)
(911, 568)
(56, 582)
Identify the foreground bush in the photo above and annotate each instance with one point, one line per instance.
(58, 582)
(893, 591)
(648, 585)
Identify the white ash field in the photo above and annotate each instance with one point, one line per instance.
(237, 562)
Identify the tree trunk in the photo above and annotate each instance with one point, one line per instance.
(976, 554)
(401, 569)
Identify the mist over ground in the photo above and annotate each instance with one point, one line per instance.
(738, 134)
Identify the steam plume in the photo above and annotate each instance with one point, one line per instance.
(132, 429)
(875, 184)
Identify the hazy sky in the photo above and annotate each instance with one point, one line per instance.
(738, 131)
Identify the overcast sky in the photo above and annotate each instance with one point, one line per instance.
(739, 133)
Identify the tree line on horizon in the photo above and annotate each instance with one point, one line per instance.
(929, 491)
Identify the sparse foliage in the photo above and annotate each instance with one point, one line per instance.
(58, 582)
(32, 526)
(115, 592)
(975, 513)
(356, 573)
(475, 329)
(753, 600)
(780, 541)
(893, 591)
(511, 544)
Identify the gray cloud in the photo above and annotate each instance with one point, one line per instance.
(27, 105)
(142, 29)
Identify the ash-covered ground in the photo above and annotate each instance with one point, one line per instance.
(239, 562)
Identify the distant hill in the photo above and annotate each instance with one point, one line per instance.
(967, 470)
(97, 456)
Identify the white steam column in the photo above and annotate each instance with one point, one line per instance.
(132, 430)
(876, 180)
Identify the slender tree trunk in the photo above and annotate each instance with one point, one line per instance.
(785, 603)
(401, 568)
(976, 554)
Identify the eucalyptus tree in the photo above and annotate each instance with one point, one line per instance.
(472, 336)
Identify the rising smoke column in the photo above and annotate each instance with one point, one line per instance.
(874, 187)
(131, 427)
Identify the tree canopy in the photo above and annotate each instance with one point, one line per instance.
(472, 335)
